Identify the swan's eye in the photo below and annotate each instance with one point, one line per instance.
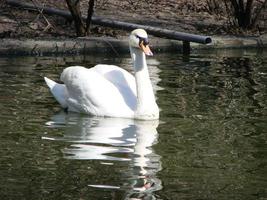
(143, 41)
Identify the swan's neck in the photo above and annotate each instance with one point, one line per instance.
(146, 104)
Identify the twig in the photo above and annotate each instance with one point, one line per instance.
(228, 11)
(19, 23)
(256, 18)
(103, 3)
(41, 13)
(158, 32)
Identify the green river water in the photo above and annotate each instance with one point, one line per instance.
(210, 141)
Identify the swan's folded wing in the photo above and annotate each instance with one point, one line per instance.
(58, 90)
(95, 94)
(116, 75)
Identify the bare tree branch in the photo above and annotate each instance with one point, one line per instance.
(89, 15)
(76, 14)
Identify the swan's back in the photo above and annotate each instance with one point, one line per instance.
(117, 76)
(103, 90)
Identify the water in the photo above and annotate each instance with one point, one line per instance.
(210, 141)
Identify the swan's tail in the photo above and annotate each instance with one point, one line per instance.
(59, 91)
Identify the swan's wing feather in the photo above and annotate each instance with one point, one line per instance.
(93, 93)
(58, 90)
(116, 75)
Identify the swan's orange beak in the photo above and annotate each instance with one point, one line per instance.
(146, 49)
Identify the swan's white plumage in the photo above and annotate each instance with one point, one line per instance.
(59, 91)
(100, 91)
(107, 90)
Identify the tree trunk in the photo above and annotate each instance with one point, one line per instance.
(242, 13)
(73, 6)
(159, 32)
(89, 15)
(247, 14)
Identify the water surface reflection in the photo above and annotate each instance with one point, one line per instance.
(211, 146)
(111, 140)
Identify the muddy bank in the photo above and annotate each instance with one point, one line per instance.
(117, 46)
(189, 16)
(76, 46)
(27, 32)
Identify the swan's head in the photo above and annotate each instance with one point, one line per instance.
(139, 39)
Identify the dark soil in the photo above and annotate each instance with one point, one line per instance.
(182, 15)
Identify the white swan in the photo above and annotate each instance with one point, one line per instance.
(107, 90)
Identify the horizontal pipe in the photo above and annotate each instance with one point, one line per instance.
(169, 34)
(158, 32)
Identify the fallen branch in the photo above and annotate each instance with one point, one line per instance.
(165, 33)
(41, 13)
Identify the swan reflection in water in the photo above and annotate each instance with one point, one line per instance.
(110, 140)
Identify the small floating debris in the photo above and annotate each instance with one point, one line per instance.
(105, 186)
